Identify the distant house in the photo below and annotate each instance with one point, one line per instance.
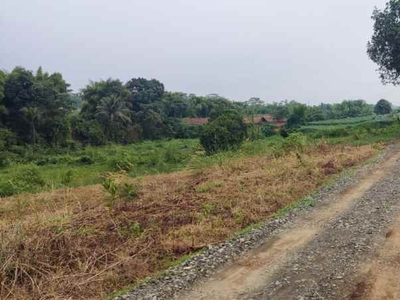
(195, 121)
(258, 120)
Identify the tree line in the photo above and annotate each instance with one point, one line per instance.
(39, 109)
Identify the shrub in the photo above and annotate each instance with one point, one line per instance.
(129, 191)
(223, 133)
(383, 107)
(295, 142)
(28, 179)
(66, 178)
(30, 176)
(85, 160)
(7, 188)
(7, 139)
(110, 186)
(4, 160)
(268, 130)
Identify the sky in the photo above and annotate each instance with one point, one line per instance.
(311, 51)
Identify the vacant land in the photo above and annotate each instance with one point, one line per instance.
(73, 243)
(66, 236)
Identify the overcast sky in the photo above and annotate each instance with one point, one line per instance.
(310, 50)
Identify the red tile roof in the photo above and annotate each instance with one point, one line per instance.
(259, 119)
(195, 121)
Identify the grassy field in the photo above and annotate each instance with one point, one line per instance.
(355, 130)
(72, 238)
(34, 172)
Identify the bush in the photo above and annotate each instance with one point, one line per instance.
(268, 130)
(85, 160)
(27, 179)
(4, 160)
(295, 142)
(7, 139)
(30, 177)
(223, 133)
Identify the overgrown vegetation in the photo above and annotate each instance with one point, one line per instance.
(105, 237)
(90, 165)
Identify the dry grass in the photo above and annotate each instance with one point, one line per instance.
(67, 244)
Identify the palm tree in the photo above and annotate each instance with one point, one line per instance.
(113, 112)
(32, 115)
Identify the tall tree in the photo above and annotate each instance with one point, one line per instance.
(384, 47)
(112, 112)
(18, 93)
(32, 115)
(26, 93)
(297, 116)
(94, 92)
(3, 76)
(145, 93)
(383, 107)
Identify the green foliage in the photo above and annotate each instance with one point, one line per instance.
(268, 130)
(383, 48)
(135, 229)
(383, 107)
(346, 109)
(295, 142)
(30, 176)
(5, 161)
(26, 179)
(208, 209)
(113, 114)
(7, 139)
(225, 132)
(255, 132)
(297, 116)
(346, 127)
(208, 186)
(129, 191)
(110, 186)
(67, 178)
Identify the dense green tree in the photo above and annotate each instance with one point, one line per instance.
(383, 107)
(94, 92)
(52, 97)
(26, 94)
(3, 76)
(32, 115)
(176, 105)
(384, 47)
(314, 113)
(223, 133)
(145, 93)
(151, 123)
(113, 114)
(298, 116)
(18, 93)
(87, 131)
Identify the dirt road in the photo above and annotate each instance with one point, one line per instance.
(346, 248)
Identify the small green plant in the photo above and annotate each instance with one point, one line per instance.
(208, 209)
(135, 229)
(4, 161)
(239, 217)
(67, 178)
(129, 191)
(110, 186)
(208, 186)
(295, 142)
